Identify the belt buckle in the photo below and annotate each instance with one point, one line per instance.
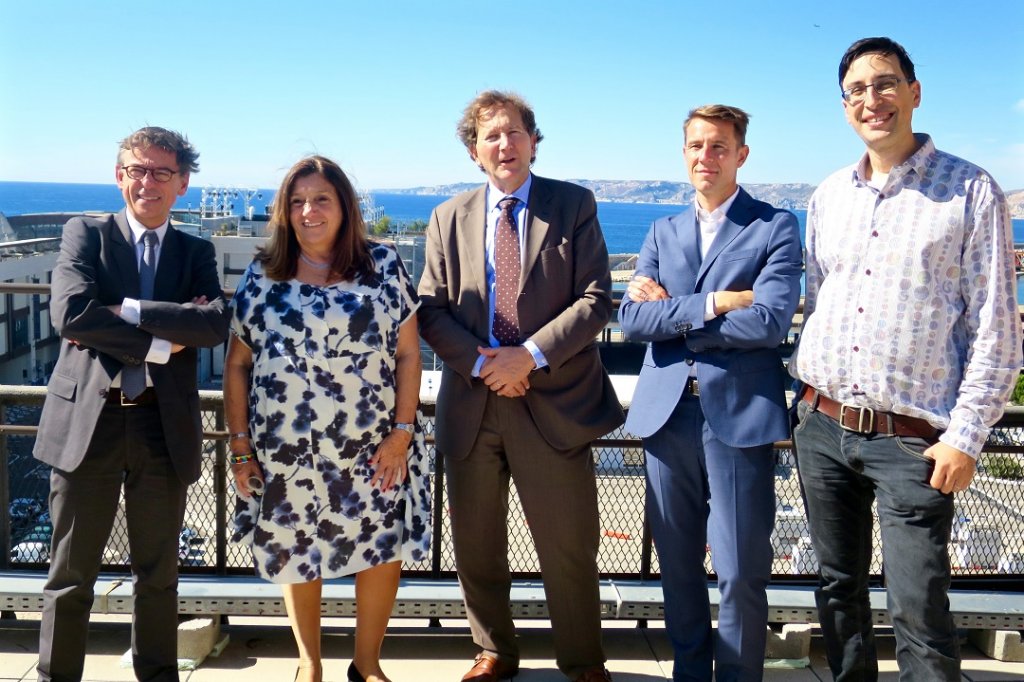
(692, 387)
(863, 414)
(127, 402)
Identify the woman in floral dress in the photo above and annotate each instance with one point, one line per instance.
(321, 387)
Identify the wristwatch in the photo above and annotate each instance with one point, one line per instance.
(408, 428)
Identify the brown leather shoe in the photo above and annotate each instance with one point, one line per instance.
(598, 674)
(489, 668)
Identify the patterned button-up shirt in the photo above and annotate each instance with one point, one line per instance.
(911, 300)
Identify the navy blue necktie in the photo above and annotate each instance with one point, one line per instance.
(133, 378)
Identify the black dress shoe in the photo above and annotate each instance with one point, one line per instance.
(354, 674)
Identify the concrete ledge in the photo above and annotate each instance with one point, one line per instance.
(196, 639)
(1002, 645)
(794, 642)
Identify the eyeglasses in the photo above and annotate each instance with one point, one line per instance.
(139, 172)
(883, 87)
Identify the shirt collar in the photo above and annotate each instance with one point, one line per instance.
(494, 195)
(138, 229)
(916, 163)
(718, 215)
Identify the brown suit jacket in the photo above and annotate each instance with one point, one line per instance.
(564, 304)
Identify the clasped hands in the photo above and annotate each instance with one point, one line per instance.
(506, 370)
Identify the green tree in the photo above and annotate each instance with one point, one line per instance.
(1002, 466)
(1017, 398)
(382, 226)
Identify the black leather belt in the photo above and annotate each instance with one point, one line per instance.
(147, 397)
(867, 421)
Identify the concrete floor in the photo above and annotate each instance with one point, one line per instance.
(262, 650)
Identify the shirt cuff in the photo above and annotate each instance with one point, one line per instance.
(709, 307)
(538, 357)
(965, 437)
(131, 311)
(476, 367)
(159, 351)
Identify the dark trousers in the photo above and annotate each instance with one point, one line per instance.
(842, 474)
(127, 449)
(559, 497)
(703, 492)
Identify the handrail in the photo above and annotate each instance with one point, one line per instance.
(627, 551)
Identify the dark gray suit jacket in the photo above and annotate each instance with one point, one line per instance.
(97, 268)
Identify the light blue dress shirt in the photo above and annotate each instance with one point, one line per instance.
(495, 195)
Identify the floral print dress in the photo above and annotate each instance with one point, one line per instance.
(322, 398)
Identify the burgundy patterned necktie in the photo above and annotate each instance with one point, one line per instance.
(507, 266)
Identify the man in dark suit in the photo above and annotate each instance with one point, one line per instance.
(515, 291)
(122, 406)
(714, 293)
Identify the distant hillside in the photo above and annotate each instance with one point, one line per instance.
(1016, 200)
(784, 195)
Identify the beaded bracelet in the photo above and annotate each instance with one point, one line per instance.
(243, 458)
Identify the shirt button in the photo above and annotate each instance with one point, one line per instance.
(856, 349)
(874, 233)
(868, 271)
(860, 310)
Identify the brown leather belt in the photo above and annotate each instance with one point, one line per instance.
(867, 421)
(147, 397)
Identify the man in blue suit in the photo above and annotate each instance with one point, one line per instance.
(714, 293)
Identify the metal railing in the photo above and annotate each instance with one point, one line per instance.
(987, 551)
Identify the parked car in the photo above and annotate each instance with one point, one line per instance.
(25, 508)
(191, 556)
(190, 536)
(30, 552)
(43, 530)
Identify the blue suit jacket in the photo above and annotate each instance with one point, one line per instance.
(740, 371)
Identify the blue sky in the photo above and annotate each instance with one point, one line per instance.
(379, 85)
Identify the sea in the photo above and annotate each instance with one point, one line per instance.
(624, 225)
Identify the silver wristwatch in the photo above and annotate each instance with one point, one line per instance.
(408, 428)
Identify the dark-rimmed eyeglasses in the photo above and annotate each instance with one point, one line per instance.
(883, 87)
(140, 172)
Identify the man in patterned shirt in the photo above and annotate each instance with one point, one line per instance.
(910, 348)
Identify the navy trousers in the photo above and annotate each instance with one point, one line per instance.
(701, 491)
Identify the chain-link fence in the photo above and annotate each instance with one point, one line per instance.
(988, 536)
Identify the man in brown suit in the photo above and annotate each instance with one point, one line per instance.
(514, 293)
